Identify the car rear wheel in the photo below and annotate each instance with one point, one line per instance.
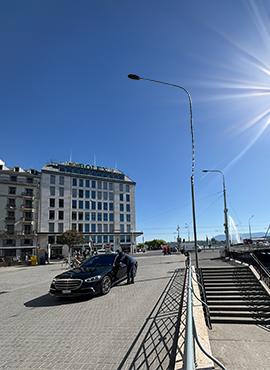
(106, 285)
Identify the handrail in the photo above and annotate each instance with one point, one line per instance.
(261, 270)
(191, 333)
(204, 299)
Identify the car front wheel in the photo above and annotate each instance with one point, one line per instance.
(106, 285)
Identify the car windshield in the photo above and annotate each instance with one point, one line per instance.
(100, 260)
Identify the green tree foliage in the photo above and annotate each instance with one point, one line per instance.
(70, 238)
(156, 243)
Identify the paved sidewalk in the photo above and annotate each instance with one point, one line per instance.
(133, 327)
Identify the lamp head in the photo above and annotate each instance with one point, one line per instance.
(204, 170)
(134, 77)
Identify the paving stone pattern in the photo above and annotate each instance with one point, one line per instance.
(133, 327)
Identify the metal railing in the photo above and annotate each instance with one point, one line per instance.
(191, 332)
(261, 270)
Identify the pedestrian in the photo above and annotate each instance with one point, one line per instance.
(165, 250)
(129, 262)
(47, 257)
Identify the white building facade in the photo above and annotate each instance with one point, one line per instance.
(19, 205)
(98, 202)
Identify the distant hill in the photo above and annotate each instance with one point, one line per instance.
(243, 236)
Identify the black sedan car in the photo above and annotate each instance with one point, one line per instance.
(95, 276)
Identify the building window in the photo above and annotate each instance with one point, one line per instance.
(105, 196)
(111, 217)
(60, 227)
(29, 192)
(111, 238)
(99, 185)
(80, 204)
(121, 187)
(52, 190)
(121, 197)
(87, 194)
(74, 216)
(99, 206)
(128, 228)
(93, 216)
(87, 216)
(105, 186)
(74, 226)
(80, 193)
(127, 197)
(93, 184)
(80, 216)
(87, 183)
(11, 190)
(122, 229)
(110, 196)
(13, 178)
(61, 203)
(87, 204)
(52, 179)
(99, 216)
(93, 194)
(51, 227)
(86, 228)
(93, 205)
(121, 207)
(30, 180)
(80, 228)
(128, 207)
(51, 215)
(105, 206)
(127, 188)
(99, 239)
(61, 180)
(110, 186)
(111, 206)
(61, 192)
(74, 182)
(128, 238)
(93, 228)
(74, 204)
(52, 202)
(51, 239)
(81, 183)
(99, 228)
(74, 193)
(11, 202)
(99, 194)
(105, 217)
(60, 215)
(111, 228)
(105, 237)
(121, 217)
(128, 218)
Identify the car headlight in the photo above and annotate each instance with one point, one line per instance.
(54, 281)
(93, 279)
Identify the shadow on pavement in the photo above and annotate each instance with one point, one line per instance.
(156, 344)
(47, 300)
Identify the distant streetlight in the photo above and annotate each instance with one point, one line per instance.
(250, 226)
(135, 77)
(225, 209)
(187, 227)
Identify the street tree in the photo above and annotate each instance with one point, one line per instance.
(70, 238)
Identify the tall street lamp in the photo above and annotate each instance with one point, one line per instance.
(225, 209)
(135, 77)
(250, 226)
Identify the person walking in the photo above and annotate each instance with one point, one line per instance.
(130, 263)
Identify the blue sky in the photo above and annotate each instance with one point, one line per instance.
(64, 92)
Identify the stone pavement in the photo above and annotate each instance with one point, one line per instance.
(237, 346)
(133, 327)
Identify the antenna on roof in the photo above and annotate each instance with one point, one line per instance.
(94, 160)
(70, 158)
(116, 164)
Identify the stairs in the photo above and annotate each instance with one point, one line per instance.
(234, 295)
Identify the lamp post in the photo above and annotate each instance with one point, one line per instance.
(250, 226)
(135, 77)
(187, 227)
(225, 209)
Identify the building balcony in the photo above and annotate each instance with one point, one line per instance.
(10, 219)
(11, 206)
(27, 221)
(27, 208)
(28, 195)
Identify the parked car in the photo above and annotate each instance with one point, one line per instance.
(57, 257)
(94, 276)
